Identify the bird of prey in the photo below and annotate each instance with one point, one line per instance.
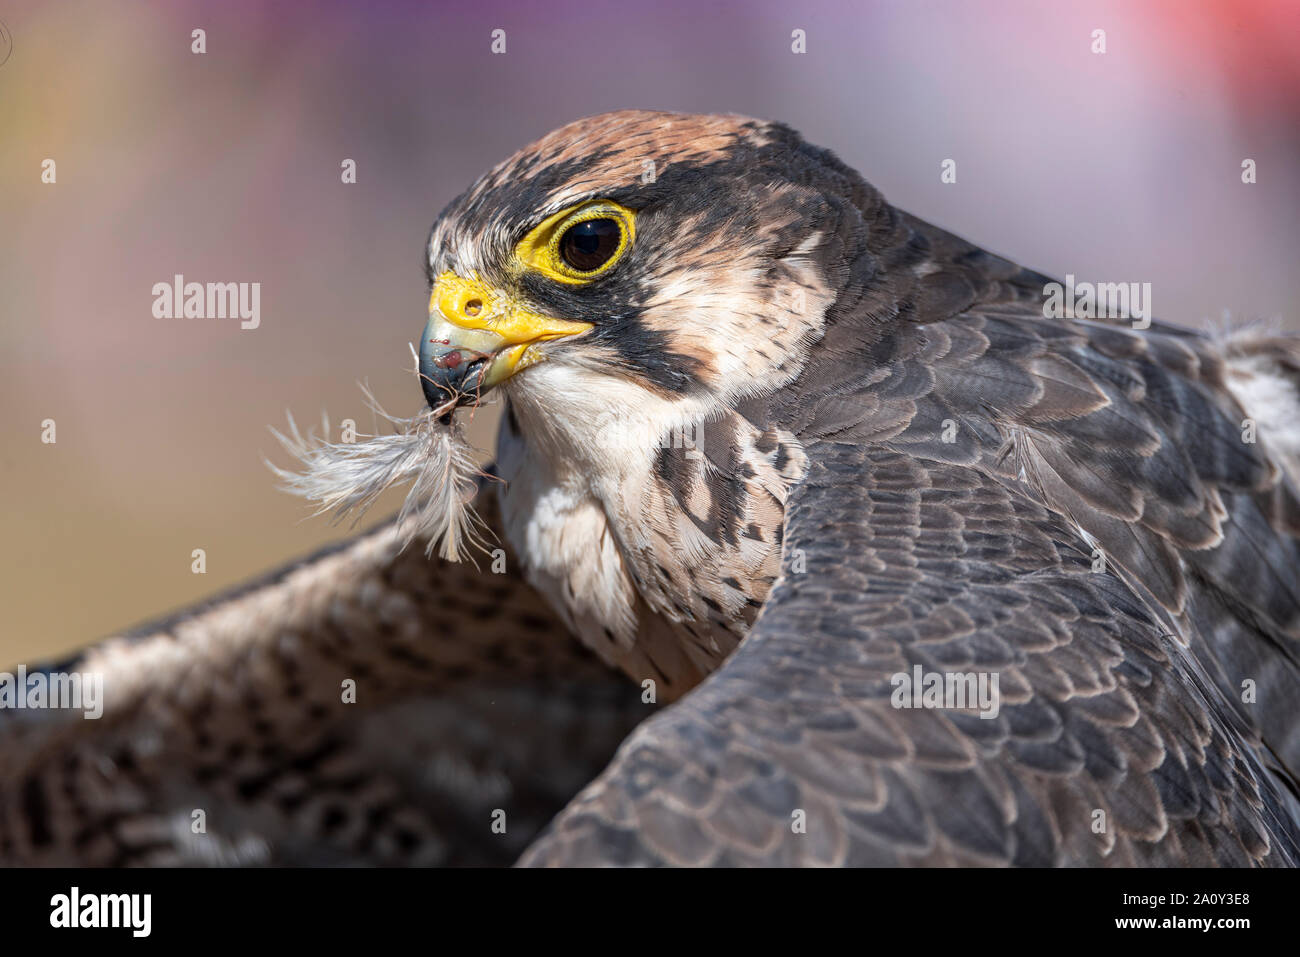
(771, 448)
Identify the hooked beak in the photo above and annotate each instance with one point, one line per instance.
(476, 338)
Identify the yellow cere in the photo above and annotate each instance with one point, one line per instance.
(471, 303)
(539, 250)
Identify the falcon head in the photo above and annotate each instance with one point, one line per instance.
(654, 263)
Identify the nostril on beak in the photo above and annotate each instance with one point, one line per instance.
(473, 307)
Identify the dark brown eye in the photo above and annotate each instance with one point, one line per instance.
(590, 244)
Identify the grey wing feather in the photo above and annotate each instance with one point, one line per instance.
(470, 697)
(968, 466)
(1111, 745)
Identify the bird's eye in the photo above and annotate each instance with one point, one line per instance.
(590, 244)
(579, 244)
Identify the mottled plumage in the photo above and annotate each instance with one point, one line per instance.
(799, 443)
(469, 698)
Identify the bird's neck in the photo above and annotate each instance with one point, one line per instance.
(658, 539)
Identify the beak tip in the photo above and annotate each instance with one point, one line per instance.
(447, 373)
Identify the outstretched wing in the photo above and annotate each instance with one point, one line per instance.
(1110, 745)
(228, 737)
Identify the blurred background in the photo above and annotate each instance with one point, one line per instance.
(225, 167)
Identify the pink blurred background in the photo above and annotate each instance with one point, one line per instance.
(226, 167)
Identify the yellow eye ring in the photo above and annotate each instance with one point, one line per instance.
(583, 235)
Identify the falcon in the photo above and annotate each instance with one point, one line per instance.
(772, 452)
